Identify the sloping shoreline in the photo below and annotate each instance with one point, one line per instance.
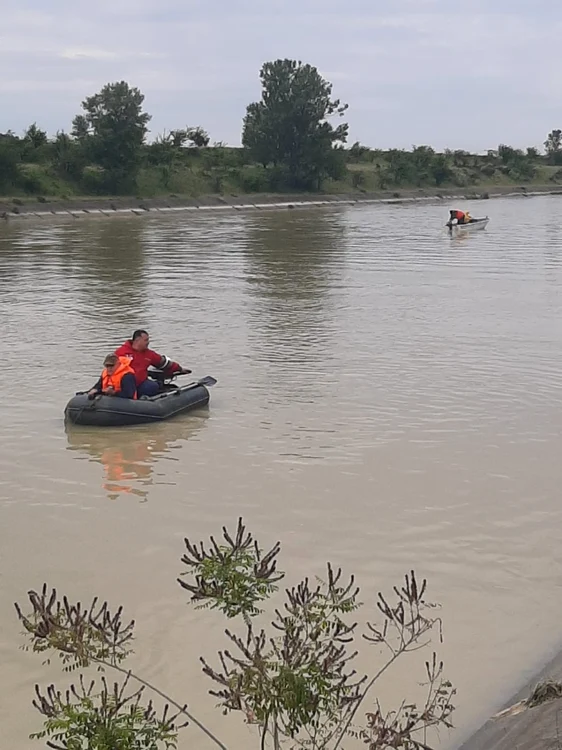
(108, 207)
(518, 727)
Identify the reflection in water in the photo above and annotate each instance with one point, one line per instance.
(292, 267)
(90, 274)
(23, 248)
(387, 399)
(129, 456)
(109, 266)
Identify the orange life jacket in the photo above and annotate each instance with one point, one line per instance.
(459, 215)
(114, 380)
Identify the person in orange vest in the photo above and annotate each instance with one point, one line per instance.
(117, 379)
(461, 217)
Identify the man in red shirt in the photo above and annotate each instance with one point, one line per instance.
(142, 358)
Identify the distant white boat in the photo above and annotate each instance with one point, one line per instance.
(470, 227)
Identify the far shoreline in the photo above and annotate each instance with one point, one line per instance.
(90, 207)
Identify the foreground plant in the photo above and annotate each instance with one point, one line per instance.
(109, 719)
(292, 677)
(94, 636)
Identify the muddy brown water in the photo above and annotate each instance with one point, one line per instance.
(388, 398)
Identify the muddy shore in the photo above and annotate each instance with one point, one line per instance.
(105, 207)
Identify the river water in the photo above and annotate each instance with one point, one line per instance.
(388, 398)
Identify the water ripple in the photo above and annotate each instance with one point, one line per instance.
(387, 398)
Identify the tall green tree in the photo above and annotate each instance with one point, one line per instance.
(35, 136)
(34, 144)
(10, 158)
(289, 127)
(112, 130)
(553, 146)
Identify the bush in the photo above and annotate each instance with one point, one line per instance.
(9, 162)
(33, 183)
(358, 179)
(253, 179)
(292, 678)
(523, 171)
(93, 181)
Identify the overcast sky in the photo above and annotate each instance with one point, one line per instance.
(449, 74)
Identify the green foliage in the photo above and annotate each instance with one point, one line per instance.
(34, 180)
(112, 130)
(358, 153)
(10, 157)
(79, 635)
(553, 146)
(289, 144)
(68, 157)
(34, 145)
(516, 164)
(298, 679)
(440, 169)
(198, 137)
(110, 719)
(253, 179)
(358, 179)
(298, 682)
(288, 128)
(234, 577)
(422, 167)
(294, 680)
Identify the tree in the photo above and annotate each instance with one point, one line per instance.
(35, 147)
(399, 170)
(509, 155)
(68, 156)
(112, 129)
(288, 128)
(460, 158)
(10, 158)
(357, 152)
(440, 169)
(35, 137)
(198, 137)
(553, 146)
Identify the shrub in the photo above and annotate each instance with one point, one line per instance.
(294, 678)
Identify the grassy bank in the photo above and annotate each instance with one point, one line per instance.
(11, 209)
(63, 169)
(192, 186)
(199, 176)
(287, 150)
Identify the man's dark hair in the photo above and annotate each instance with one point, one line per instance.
(138, 333)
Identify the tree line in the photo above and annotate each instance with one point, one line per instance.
(294, 138)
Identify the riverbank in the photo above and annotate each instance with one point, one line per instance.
(521, 727)
(105, 207)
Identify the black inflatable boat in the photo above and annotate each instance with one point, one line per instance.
(108, 411)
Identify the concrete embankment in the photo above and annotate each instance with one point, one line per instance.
(80, 208)
(521, 727)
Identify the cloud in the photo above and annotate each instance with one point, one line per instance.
(88, 53)
(412, 71)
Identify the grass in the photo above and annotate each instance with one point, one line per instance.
(195, 180)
